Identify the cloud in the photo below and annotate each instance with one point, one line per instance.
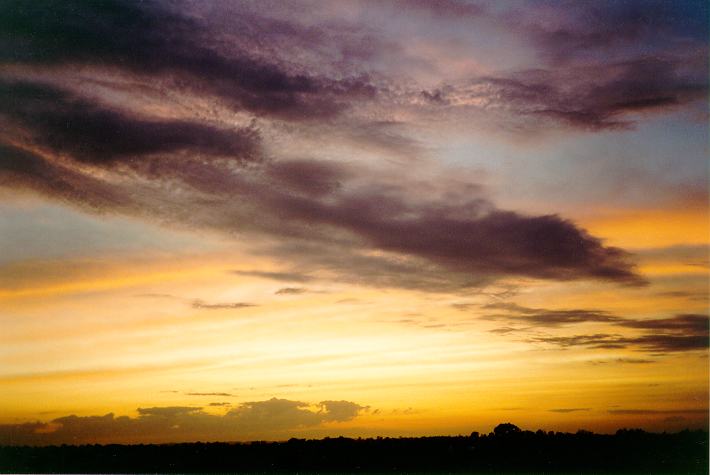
(683, 323)
(171, 411)
(681, 332)
(568, 410)
(276, 413)
(341, 411)
(375, 227)
(148, 39)
(618, 29)
(469, 237)
(673, 334)
(20, 168)
(291, 291)
(199, 304)
(92, 133)
(649, 343)
(623, 361)
(548, 318)
(589, 97)
(273, 418)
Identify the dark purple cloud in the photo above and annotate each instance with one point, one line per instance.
(89, 132)
(470, 238)
(591, 97)
(584, 30)
(24, 169)
(148, 39)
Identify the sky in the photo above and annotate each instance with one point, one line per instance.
(257, 220)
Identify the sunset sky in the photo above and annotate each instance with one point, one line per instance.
(267, 219)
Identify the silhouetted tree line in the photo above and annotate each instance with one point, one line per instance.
(507, 449)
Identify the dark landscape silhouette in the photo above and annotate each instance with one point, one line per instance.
(507, 449)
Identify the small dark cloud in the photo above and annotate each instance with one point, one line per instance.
(505, 330)
(219, 404)
(341, 411)
(199, 304)
(291, 291)
(675, 293)
(623, 361)
(566, 410)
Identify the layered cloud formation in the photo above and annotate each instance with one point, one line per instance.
(178, 118)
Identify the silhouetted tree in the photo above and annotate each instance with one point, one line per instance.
(506, 429)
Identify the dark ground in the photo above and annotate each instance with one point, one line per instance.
(507, 450)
